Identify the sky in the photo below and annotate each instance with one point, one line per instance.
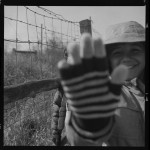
(101, 16)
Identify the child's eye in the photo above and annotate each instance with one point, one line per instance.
(136, 51)
(116, 53)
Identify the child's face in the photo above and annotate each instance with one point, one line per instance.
(132, 55)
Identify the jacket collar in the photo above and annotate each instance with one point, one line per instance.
(128, 100)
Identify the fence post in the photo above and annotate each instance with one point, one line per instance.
(85, 26)
(41, 50)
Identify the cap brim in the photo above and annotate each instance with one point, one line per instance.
(125, 39)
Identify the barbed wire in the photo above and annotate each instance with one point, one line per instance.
(38, 26)
(52, 13)
(31, 42)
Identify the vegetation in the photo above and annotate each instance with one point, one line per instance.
(28, 121)
(19, 68)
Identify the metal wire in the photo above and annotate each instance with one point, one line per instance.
(28, 38)
(67, 32)
(45, 31)
(54, 14)
(16, 40)
(41, 50)
(61, 34)
(37, 26)
(34, 42)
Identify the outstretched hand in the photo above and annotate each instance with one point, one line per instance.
(85, 79)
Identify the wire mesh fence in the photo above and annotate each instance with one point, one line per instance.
(37, 42)
(28, 121)
(46, 35)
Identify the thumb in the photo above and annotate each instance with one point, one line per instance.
(119, 75)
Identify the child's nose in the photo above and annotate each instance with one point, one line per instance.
(126, 60)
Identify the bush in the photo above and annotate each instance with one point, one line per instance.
(26, 67)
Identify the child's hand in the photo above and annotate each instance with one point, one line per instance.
(86, 82)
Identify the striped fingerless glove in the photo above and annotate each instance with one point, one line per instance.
(92, 96)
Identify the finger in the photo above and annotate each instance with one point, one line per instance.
(99, 48)
(86, 46)
(119, 75)
(68, 71)
(63, 64)
(64, 69)
(73, 54)
(100, 61)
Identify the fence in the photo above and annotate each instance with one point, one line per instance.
(31, 76)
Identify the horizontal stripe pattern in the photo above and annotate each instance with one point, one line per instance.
(94, 108)
(87, 92)
(91, 103)
(100, 114)
(76, 91)
(89, 75)
(90, 94)
(82, 85)
(106, 98)
(102, 134)
(103, 103)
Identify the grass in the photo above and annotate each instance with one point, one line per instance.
(27, 122)
(31, 67)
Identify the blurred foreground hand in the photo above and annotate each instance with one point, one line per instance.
(91, 93)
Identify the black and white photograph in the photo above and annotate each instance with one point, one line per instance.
(74, 76)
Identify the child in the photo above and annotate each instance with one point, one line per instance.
(106, 108)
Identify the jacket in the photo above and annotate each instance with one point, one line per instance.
(58, 116)
(128, 129)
